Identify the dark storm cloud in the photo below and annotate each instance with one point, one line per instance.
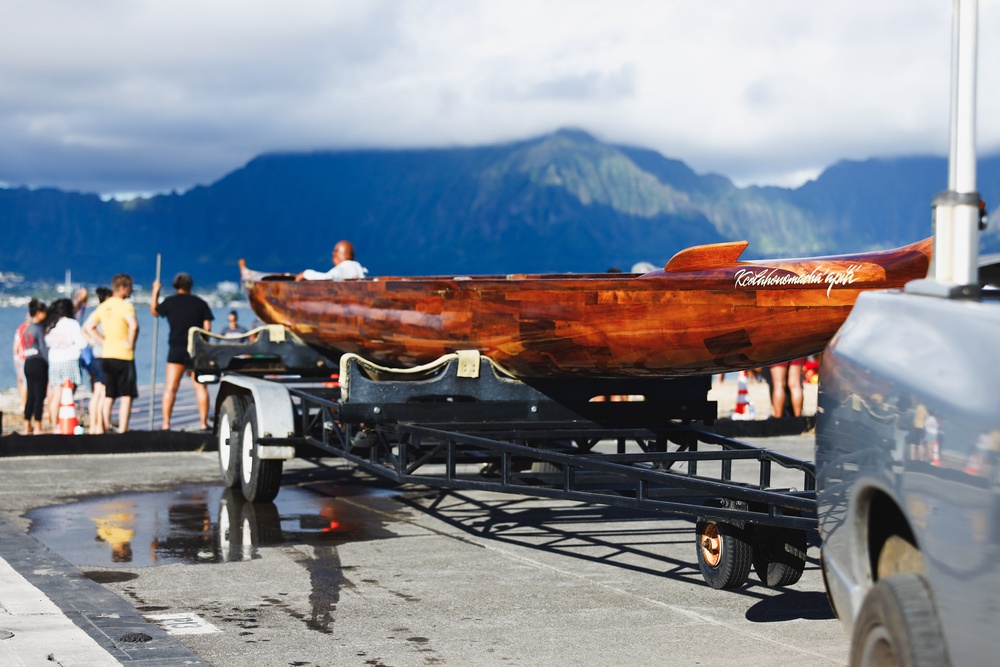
(139, 96)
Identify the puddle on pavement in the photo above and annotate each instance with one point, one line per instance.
(198, 524)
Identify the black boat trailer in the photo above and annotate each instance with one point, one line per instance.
(461, 423)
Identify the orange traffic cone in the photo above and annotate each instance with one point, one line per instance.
(742, 398)
(67, 410)
(974, 466)
(975, 463)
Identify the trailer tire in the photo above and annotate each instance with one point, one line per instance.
(260, 478)
(724, 554)
(230, 427)
(780, 557)
(898, 625)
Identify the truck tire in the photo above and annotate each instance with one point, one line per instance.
(724, 554)
(260, 478)
(779, 557)
(898, 625)
(230, 427)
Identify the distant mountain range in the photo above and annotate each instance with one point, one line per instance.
(560, 202)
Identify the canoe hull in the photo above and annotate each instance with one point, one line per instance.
(704, 313)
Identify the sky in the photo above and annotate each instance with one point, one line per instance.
(140, 96)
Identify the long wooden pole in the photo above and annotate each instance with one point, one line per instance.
(152, 371)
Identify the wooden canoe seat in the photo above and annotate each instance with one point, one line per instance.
(704, 257)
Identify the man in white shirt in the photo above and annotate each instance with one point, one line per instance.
(344, 266)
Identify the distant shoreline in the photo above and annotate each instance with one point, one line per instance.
(214, 299)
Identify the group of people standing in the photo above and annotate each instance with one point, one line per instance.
(56, 343)
(52, 348)
(48, 349)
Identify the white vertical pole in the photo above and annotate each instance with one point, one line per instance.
(955, 264)
(963, 132)
(965, 269)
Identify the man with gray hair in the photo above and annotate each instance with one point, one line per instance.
(344, 266)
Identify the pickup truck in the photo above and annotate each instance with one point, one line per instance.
(908, 477)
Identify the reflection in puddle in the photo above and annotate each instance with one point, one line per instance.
(193, 525)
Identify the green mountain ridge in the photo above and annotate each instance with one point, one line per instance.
(561, 202)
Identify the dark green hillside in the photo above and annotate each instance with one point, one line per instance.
(561, 202)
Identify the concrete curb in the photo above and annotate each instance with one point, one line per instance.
(762, 428)
(132, 442)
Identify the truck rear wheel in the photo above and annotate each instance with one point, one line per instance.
(260, 478)
(779, 557)
(898, 625)
(230, 426)
(724, 554)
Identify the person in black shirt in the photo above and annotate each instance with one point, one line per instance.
(183, 311)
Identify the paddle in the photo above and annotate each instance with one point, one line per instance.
(152, 372)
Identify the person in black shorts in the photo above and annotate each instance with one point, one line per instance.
(113, 326)
(183, 311)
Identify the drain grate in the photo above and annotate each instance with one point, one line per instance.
(135, 638)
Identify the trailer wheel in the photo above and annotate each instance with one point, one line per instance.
(230, 425)
(724, 554)
(260, 478)
(780, 557)
(897, 625)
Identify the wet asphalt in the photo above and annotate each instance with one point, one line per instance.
(149, 556)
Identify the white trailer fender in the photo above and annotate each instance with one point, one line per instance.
(274, 411)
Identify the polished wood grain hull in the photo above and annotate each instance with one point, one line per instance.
(705, 312)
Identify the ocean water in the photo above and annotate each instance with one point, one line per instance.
(11, 318)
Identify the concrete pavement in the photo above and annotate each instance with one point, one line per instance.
(34, 631)
(410, 576)
(50, 614)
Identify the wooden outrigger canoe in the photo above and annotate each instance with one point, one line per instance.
(704, 312)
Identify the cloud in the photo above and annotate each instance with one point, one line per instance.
(588, 86)
(137, 95)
